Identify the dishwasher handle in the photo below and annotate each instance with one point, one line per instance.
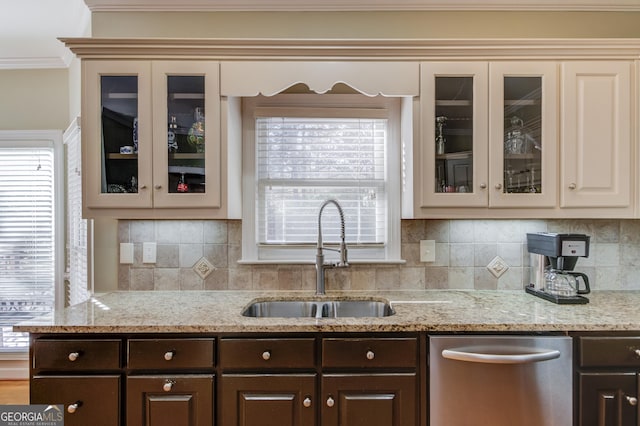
(489, 356)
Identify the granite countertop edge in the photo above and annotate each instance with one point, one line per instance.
(501, 311)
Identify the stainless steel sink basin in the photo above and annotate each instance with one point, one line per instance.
(318, 309)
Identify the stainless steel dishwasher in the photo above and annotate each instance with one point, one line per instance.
(500, 380)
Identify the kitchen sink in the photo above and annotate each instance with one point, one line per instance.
(318, 309)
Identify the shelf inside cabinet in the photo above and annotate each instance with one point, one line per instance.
(187, 170)
(187, 96)
(453, 103)
(455, 155)
(521, 102)
(531, 156)
(118, 156)
(186, 156)
(122, 95)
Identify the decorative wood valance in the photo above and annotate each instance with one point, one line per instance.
(250, 78)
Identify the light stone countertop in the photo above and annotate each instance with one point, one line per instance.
(429, 310)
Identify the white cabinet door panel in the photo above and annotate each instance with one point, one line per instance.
(596, 160)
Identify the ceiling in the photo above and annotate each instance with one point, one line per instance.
(29, 28)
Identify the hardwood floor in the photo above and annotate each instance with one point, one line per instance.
(14, 392)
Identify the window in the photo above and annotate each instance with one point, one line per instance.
(301, 150)
(29, 251)
(78, 287)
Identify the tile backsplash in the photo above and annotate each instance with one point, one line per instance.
(188, 250)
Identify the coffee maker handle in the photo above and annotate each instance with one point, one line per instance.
(585, 278)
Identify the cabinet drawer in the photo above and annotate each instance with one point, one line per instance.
(609, 351)
(369, 353)
(170, 354)
(252, 354)
(76, 355)
(87, 400)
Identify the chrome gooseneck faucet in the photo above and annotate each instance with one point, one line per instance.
(320, 265)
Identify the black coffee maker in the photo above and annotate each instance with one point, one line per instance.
(552, 260)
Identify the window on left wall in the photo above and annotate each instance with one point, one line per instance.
(30, 230)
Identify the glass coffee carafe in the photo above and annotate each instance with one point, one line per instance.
(565, 283)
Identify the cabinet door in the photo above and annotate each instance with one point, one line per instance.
(608, 399)
(87, 400)
(116, 136)
(452, 163)
(186, 134)
(596, 134)
(369, 399)
(523, 134)
(170, 400)
(267, 400)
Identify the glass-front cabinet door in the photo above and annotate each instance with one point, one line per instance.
(186, 166)
(116, 148)
(454, 134)
(523, 134)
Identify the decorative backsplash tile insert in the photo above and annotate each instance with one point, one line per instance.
(464, 251)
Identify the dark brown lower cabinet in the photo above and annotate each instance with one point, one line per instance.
(88, 400)
(608, 399)
(170, 400)
(267, 400)
(369, 399)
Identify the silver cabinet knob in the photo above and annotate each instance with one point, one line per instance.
(142, 187)
(72, 408)
(266, 355)
(370, 355)
(73, 356)
(498, 186)
(168, 385)
(572, 186)
(483, 185)
(632, 400)
(637, 352)
(307, 402)
(157, 186)
(330, 402)
(168, 356)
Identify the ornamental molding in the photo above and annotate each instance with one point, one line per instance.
(360, 5)
(356, 49)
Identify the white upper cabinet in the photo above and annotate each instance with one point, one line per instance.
(152, 144)
(596, 145)
(523, 134)
(452, 157)
(488, 136)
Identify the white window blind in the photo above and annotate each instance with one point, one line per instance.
(27, 235)
(77, 276)
(302, 161)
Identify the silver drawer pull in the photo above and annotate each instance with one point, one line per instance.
(330, 402)
(168, 385)
(72, 408)
(266, 355)
(370, 355)
(632, 400)
(168, 356)
(73, 356)
(307, 402)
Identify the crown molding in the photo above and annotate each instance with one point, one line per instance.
(35, 63)
(358, 49)
(361, 5)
